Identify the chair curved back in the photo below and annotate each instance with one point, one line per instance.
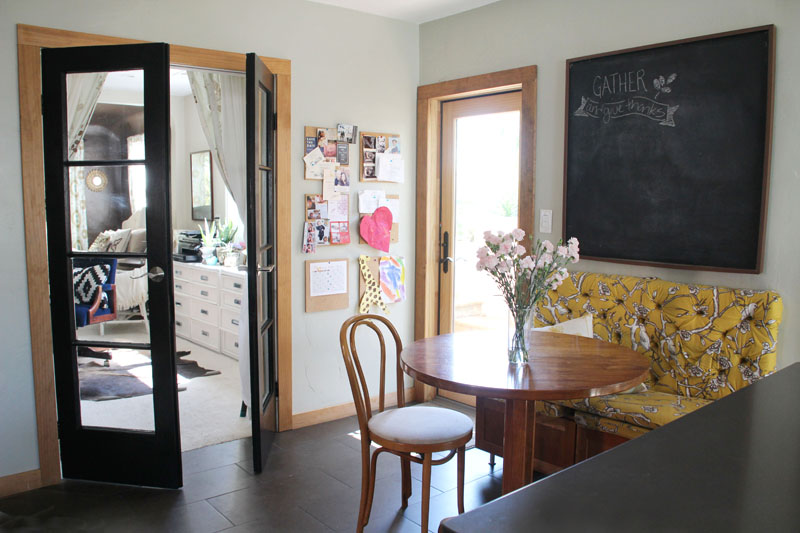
(355, 372)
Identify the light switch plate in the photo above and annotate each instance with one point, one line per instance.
(545, 221)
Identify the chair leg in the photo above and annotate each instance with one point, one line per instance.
(364, 489)
(426, 490)
(405, 468)
(143, 310)
(102, 329)
(491, 460)
(460, 478)
(371, 492)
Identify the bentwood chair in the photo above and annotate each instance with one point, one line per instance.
(412, 433)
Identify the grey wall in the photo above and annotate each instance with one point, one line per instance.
(513, 33)
(346, 66)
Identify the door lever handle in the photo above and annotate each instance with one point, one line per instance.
(268, 268)
(446, 259)
(156, 274)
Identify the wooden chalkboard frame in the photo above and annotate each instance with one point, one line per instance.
(758, 267)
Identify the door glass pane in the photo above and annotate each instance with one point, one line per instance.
(110, 296)
(102, 198)
(264, 281)
(265, 188)
(266, 363)
(116, 388)
(104, 109)
(487, 152)
(264, 114)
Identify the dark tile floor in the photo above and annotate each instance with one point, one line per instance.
(312, 482)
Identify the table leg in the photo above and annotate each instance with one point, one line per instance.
(518, 439)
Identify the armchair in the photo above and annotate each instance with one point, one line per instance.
(94, 312)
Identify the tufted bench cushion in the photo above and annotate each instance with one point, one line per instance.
(703, 341)
(649, 409)
(608, 425)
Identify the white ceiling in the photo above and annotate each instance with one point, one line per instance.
(417, 11)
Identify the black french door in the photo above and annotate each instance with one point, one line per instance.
(261, 271)
(94, 178)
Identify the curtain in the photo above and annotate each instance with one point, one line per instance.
(83, 91)
(137, 175)
(220, 102)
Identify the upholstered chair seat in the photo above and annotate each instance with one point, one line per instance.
(420, 425)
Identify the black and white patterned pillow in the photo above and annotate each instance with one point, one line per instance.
(87, 281)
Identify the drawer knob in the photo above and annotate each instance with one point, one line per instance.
(178, 323)
(204, 311)
(205, 333)
(236, 344)
(234, 322)
(204, 293)
(178, 304)
(178, 286)
(204, 278)
(237, 285)
(237, 301)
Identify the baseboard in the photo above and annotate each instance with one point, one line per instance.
(328, 414)
(24, 481)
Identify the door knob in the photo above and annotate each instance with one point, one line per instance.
(156, 274)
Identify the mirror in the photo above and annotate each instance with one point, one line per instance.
(202, 197)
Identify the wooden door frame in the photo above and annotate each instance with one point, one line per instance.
(30, 40)
(429, 103)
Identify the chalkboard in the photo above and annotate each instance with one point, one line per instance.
(667, 152)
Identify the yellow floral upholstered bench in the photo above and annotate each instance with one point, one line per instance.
(704, 342)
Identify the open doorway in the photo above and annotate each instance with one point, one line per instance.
(116, 388)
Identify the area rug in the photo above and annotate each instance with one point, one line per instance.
(101, 383)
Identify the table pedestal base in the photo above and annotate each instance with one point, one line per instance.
(518, 439)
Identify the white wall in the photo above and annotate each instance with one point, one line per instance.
(512, 34)
(346, 66)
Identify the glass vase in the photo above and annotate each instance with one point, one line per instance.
(519, 342)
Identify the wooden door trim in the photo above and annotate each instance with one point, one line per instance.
(30, 39)
(429, 100)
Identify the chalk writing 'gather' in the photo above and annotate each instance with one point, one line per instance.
(626, 82)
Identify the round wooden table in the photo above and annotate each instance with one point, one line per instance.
(561, 367)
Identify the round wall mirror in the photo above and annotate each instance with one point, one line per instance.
(96, 180)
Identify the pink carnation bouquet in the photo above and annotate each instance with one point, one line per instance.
(524, 279)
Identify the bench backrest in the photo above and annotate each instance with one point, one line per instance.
(703, 341)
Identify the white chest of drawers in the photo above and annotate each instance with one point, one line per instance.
(208, 302)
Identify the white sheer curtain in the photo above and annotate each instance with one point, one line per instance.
(83, 90)
(220, 100)
(137, 175)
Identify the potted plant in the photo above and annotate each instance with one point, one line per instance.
(208, 236)
(225, 235)
(524, 279)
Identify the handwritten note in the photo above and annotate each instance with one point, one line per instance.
(370, 200)
(339, 207)
(389, 167)
(328, 278)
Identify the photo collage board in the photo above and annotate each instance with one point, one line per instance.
(381, 157)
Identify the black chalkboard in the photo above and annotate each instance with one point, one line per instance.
(667, 152)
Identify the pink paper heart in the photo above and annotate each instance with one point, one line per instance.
(376, 228)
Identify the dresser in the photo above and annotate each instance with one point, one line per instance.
(208, 300)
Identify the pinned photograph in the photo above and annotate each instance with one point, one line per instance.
(309, 239)
(369, 172)
(322, 232)
(343, 153)
(380, 144)
(316, 207)
(394, 145)
(330, 150)
(346, 133)
(341, 181)
(369, 142)
(369, 157)
(325, 136)
(340, 233)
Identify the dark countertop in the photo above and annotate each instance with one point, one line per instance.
(733, 465)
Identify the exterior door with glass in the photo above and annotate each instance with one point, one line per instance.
(480, 188)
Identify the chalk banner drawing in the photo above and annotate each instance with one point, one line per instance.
(630, 105)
